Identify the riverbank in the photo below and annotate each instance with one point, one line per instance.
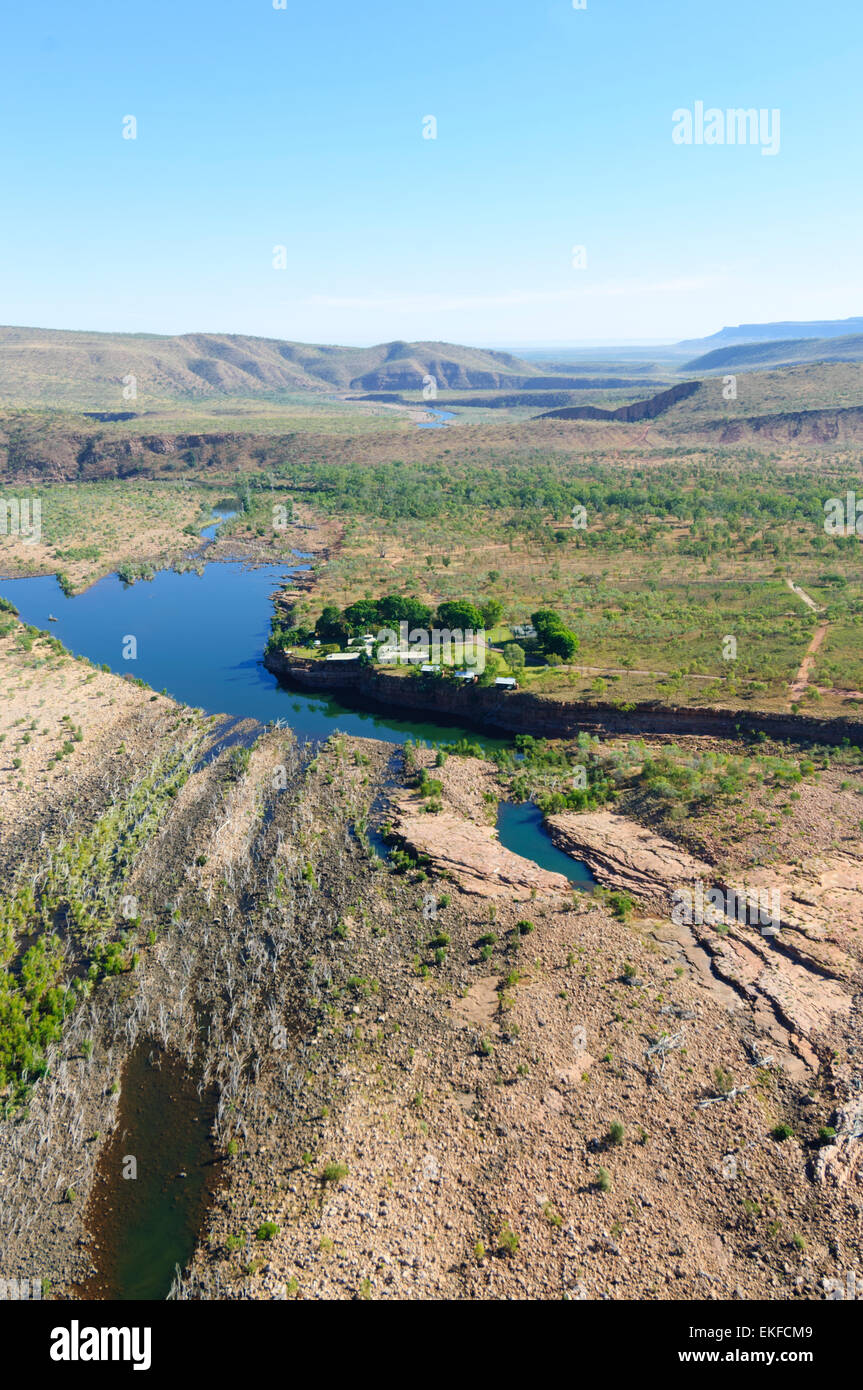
(421, 1088)
(496, 711)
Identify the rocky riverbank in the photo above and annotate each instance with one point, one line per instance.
(499, 711)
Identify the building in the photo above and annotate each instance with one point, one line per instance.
(524, 630)
(506, 682)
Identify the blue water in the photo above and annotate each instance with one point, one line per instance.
(521, 830)
(209, 532)
(201, 638)
(440, 422)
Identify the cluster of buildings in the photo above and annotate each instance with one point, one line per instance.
(416, 656)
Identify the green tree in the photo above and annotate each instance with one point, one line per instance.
(362, 616)
(460, 614)
(330, 627)
(493, 667)
(492, 612)
(396, 608)
(514, 656)
(554, 637)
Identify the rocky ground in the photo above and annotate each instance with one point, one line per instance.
(458, 1079)
(68, 729)
(529, 1100)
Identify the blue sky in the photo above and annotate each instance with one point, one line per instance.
(303, 128)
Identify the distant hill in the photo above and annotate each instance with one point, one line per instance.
(784, 353)
(771, 333)
(636, 410)
(804, 403)
(72, 369)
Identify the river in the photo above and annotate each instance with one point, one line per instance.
(200, 638)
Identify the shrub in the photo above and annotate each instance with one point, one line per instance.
(621, 905)
(507, 1240)
(552, 1216)
(237, 763)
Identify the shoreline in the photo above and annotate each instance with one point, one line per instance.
(496, 712)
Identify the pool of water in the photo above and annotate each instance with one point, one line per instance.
(146, 1225)
(219, 515)
(520, 829)
(440, 422)
(200, 637)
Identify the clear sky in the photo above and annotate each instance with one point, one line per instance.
(302, 127)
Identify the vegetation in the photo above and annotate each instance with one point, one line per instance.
(73, 909)
(555, 639)
(675, 557)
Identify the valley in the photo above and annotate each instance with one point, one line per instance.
(398, 963)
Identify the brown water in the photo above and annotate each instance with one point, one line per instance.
(144, 1226)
